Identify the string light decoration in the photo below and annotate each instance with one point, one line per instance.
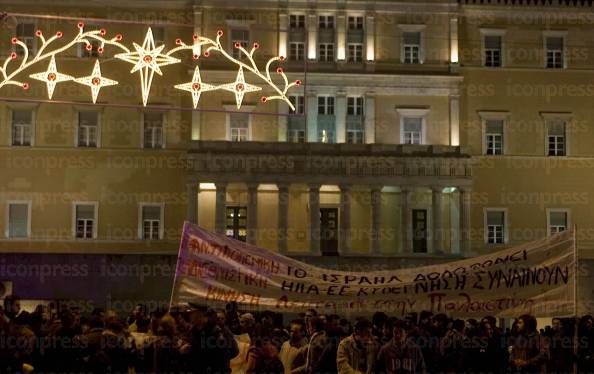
(147, 60)
(95, 81)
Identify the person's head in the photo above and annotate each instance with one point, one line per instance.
(139, 311)
(378, 319)
(247, 323)
(458, 325)
(587, 322)
(362, 331)
(309, 314)
(556, 324)
(388, 327)
(425, 317)
(296, 330)
(399, 330)
(267, 319)
(317, 324)
(96, 322)
(526, 324)
(221, 318)
(166, 326)
(142, 324)
(12, 306)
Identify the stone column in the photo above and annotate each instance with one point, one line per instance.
(341, 36)
(454, 40)
(464, 201)
(345, 219)
(341, 113)
(283, 216)
(314, 218)
(370, 38)
(454, 120)
(283, 119)
(191, 215)
(376, 218)
(312, 35)
(221, 208)
(369, 114)
(405, 237)
(252, 213)
(312, 116)
(283, 26)
(436, 194)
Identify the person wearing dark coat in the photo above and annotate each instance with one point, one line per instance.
(529, 351)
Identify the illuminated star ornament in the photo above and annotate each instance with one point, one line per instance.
(51, 77)
(147, 59)
(96, 81)
(196, 87)
(240, 87)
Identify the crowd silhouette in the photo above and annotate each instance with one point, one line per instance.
(208, 341)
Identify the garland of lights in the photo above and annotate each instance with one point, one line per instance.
(147, 60)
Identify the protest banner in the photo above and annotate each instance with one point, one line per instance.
(536, 278)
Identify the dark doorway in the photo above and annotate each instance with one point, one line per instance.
(419, 228)
(237, 222)
(329, 231)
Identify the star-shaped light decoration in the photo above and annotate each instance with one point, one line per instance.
(239, 87)
(51, 77)
(148, 60)
(95, 81)
(196, 87)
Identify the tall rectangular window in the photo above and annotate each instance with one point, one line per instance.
(94, 43)
(326, 52)
(237, 222)
(18, 220)
(495, 226)
(153, 130)
(296, 125)
(158, 35)
(558, 221)
(355, 52)
(494, 137)
(22, 127)
(326, 22)
(556, 138)
(413, 130)
(355, 23)
(554, 52)
(85, 221)
(239, 127)
(355, 106)
(88, 129)
(297, 21)
(411, 47)
(296, 51)
(25, 32)
(241, 36)
(326, 105)
(151, 222)
(492, 50)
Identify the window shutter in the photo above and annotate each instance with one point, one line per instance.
(22, 117)
(555, 43)
(239, 120)
(558, 219)
(85, 212)
(492, 42)
(151, 212)
(88, 118)
(494, 126)
(556, 128)
(495, 218)
(17, 218)
(413, 124)
(413, 38)
(153, 119)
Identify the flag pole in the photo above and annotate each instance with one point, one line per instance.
(575, 300)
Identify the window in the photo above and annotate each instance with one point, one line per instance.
(296, 136)
(492, 50)
(22, 125)
(85, 217)
(355, 23)
(158, 35)
(494, 137)
(153, 130)
(239, 127)
(237, 222)
(242, 37)
(25, 32)
(326, 22)
(298, 102)
(151, 221)
(556, 137)
(411, 47)
(19, 224)
(296, 51)
(355, 106)
(495, 226)
(413, 130)
(88, 129)
(554, 52)
(296, 21)
(558, 220)
(355, 136)
(82, 47)
(326, 52)
(326, 105)
(355, 52)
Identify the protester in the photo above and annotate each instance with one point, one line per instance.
(199, 340)
(357, 353)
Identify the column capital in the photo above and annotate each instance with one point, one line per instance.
(466, 189)
(437, 189)
(252, 186)
(283, 186)
(221, 184)
(345, 187)
(376, 187)
(370, 94)
(314, 186)
(341, 94)
(406, 188)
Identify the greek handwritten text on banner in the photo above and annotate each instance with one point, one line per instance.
(536, 278)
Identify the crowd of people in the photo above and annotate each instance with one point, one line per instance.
(201, 340)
